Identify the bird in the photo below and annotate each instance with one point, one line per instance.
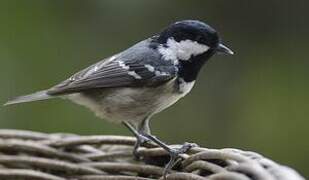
(132, 86)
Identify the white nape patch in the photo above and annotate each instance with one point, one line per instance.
(149, 67)
(134, 74)
(185, 87)
(182, 50)
(123, 66)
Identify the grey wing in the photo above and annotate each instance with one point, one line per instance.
(128, 69)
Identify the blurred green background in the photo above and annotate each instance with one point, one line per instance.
(256, 100)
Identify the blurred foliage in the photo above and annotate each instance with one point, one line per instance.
(256, 100)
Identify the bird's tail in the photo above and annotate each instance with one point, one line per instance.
(38, 96)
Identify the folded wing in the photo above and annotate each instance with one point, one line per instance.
(118, 71)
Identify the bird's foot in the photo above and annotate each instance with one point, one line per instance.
(174, 154)
(140, 141)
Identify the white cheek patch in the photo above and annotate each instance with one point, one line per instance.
(182, 50)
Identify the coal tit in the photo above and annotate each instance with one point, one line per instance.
(135, 84)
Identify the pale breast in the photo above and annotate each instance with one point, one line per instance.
(169, 99)
(132, 104)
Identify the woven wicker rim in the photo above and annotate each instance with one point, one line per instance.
(34, 155)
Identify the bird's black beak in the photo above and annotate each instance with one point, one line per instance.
(222, 49)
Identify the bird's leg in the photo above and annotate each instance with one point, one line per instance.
(140, 138)
(143, 136)
(173, 152)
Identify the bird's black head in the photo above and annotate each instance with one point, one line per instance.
(190, 43)
(193, 30)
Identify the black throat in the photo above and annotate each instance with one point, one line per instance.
(188, 70)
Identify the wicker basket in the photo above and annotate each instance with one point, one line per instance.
(33, 155)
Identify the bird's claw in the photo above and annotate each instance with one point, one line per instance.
(140, 141)
(175, 156)
(185, 147)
